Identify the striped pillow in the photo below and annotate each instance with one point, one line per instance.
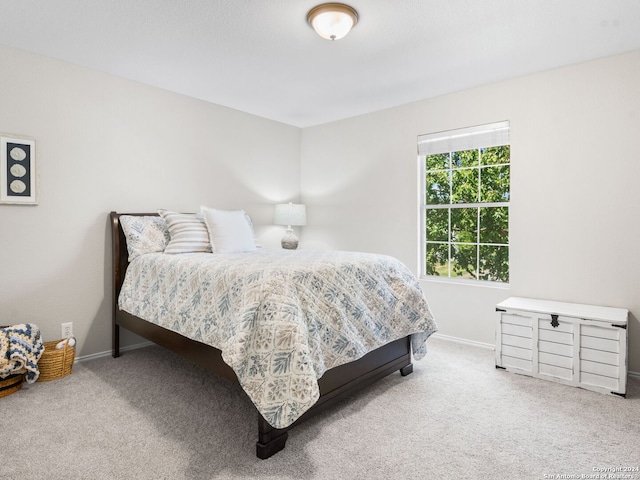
(188, 232)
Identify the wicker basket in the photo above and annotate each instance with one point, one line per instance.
(54, 364)
(11, 384)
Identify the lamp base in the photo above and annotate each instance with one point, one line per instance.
(289, 241)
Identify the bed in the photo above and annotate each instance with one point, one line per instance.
(354, 368)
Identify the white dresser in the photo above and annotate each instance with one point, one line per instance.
(579, 345)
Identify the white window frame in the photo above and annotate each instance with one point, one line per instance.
(471, 138)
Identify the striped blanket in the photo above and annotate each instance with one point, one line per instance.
(20, 349)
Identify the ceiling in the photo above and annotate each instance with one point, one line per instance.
(261, 57)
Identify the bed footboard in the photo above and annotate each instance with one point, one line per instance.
(339, 383)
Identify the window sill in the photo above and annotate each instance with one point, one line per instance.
(464, 281)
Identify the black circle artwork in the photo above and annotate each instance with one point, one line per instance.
(18, 170)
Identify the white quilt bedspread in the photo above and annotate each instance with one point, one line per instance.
(281, 318)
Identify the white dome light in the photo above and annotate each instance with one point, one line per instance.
(332, 20)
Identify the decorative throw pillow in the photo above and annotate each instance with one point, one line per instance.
(253, 233)
(144, 234)
(229, 231)
(188, 232)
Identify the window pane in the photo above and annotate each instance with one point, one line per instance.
(494, 184)
(437, 185)
(439, 161)
(464, 185)
(495, 155)
(437, 222)
(465, 158)
(464, 261)
(494, 225)
(437, 261)
(494, 263)
(464, 225)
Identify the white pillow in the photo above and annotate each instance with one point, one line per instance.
(229, 231)
(188, 232)
(144, 234)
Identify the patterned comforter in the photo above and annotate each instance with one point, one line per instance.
(281, 318)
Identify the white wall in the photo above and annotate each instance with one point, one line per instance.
(575, 208)
(104, 143)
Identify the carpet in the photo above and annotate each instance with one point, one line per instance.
(151, 415)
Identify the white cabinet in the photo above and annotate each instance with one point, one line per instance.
(579, 345)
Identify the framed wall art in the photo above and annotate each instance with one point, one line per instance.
(18, 170)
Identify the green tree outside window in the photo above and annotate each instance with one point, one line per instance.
(467, 214)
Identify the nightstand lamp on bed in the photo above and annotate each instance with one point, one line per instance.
(290, 214)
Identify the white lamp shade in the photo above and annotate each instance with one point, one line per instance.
(290, 214)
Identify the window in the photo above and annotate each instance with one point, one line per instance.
(465, 202)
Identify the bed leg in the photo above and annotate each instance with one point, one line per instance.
(270, 440)
(406, 370)
(115, 339)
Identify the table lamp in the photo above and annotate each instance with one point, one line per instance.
(290, 214)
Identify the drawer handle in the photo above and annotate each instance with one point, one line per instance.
(554, 321)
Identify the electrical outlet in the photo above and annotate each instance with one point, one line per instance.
(67, 330)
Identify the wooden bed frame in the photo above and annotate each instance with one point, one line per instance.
(335, 384)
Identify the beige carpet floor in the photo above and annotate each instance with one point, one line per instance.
(151, 415)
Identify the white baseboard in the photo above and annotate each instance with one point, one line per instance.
(489, 346)
(464, 341)
(93, 356)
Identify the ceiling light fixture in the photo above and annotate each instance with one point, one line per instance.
(332, 20)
